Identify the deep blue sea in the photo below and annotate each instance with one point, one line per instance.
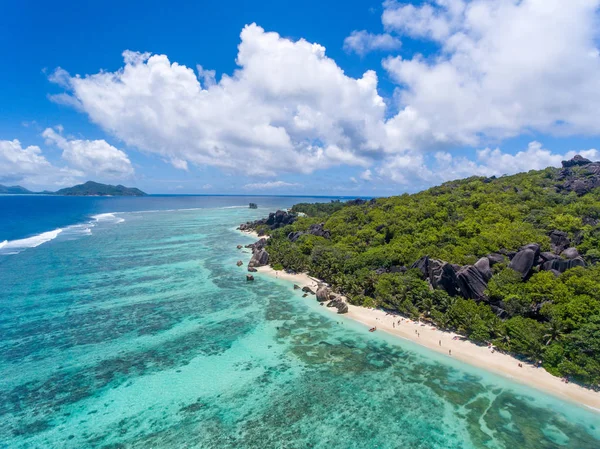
(125, 323)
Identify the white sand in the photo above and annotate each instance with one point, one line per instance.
(463, 350)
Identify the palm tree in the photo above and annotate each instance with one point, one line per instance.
(555, 330)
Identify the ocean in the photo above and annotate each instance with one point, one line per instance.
(125, 323)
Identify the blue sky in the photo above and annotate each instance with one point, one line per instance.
(453, 88)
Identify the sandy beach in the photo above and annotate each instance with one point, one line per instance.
(463, 350)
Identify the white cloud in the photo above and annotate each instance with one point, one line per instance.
(504, 67)
(363, 42)
(94, 157)
(366, 175)
(288, 108)
(498, 69)
(270, 185)
(414, 169)
(27, 165)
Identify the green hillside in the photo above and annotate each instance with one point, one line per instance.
(509, 260)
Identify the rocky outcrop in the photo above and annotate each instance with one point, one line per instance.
(570, 253)
(495, 258)
(578, 175)
(443, 275)
(279, 219)
(578, 160)
(257, 246)
(275, 220)
(525, 259)
(259, 258)
(562, 265)
(422, 265)
(323, 293)
(308, 290)
(471, 282)
(315, 229)
(559, 241)
(339, 303)
(483, 265)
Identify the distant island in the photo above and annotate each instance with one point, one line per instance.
(90, 188)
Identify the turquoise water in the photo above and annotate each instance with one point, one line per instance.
(143, 333)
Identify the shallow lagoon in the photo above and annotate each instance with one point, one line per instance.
(144, 334)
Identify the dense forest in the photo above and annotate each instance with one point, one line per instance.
(509, 260)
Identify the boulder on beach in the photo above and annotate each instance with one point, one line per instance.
(339, 303)
(259, 259)
(323, 293)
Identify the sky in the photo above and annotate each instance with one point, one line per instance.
(281, 97)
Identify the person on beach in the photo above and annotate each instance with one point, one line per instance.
(440, 342)
(449, 351)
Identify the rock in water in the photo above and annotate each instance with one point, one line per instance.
(472, 284)
(239, 247)
(307, 289)
(252, 270)
(296, 287)
(249, 277)
(239, 263)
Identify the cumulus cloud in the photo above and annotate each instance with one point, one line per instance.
(363, 42)
(497, 69)
(366, 175)
(503, 68)
(418, 170)
(94, 157)
(28, 165)
(270, 185)
(288, 108)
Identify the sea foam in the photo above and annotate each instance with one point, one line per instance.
(11, 247)
(108, 217)
(16, 246)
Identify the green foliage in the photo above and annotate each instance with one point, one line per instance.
(548, 318)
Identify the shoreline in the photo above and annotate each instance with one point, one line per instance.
(463, 350)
